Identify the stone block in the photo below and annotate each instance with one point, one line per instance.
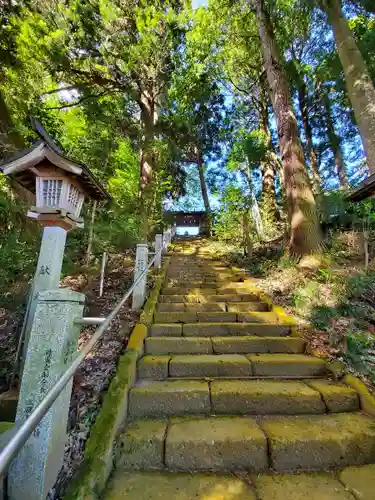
(287, 365)
(178, 298)
(259, 329)
(175, 317)
(246, 307)
(154, 367)
(167, 398)
(206, 307)
(259, 317)
(240, 345)
(220, 443)
(337, 397)
(207, 317)
(205, 329)
(177, 486)
(166, 330)
(360, 481)
(264, 397)
(178, 345)
(206, 365)
(141, 445)
(321, 442)
(243, 297)
(314, 486)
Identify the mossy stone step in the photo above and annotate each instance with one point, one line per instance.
(177, 486)
(216, 317)
(229, 365)
(264, 397)
(169, 398)
(360, 481)
(246, 307)
(216, 329)
(337, 397)
(287, 365)
(191, 307)
(219, 443)
(243, 297)
(223, 345)
(321, 442)
(314, 486)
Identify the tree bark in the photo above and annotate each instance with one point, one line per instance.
(91, 232)
(303, 104)
(248, 248)
(147, 163)
(358, 81)
(334, 142)
(206, 201)
(268, 202)
(303, 219)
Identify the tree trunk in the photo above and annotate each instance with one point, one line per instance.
(147, 163)
(304, 226)
(91, 232)
(303, 104)
(268, 202)
(358, 81)
(206, 201)
(248, 248)
(334, 142)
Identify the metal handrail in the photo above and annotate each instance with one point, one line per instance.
(27, 428)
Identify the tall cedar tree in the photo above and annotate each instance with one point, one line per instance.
(304, 226)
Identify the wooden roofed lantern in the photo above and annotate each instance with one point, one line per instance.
(60, 184)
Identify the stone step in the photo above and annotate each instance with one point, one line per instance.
(241, 296)
(243, 397)
(218, 486)
(223, 345)
(206, 288)
(314, 442)
(229, 365)
(216, 317)
(191, 307)
(221, 329)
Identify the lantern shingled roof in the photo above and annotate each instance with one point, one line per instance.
(19, 166)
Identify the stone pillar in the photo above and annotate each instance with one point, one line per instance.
(158, 247)
(52, 345)
(174, 230)
(141, 262)
(48, 271)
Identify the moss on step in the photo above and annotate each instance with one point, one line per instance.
(367, 400)
(178, 345)
(147, 314)
(141, 445)
(177, 486)
(168, 398)
(313, 486)
(166, 330)
(286, 365)
(206, 365)
(337, 440)
(6, 426)
(360, 481)
(153, 367)
(264, 397)
(337, 397)
(256, 344)
(219, 443)
(137, 338)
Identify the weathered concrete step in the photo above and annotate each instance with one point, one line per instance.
(207, 288)
(353, 483)
(314, 442)
(243, 297)
(210, 317)
(242, 397)
(221, 329)
(229, 365)
(223, 345)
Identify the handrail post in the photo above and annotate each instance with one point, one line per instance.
(141, 262)
(158, 247)
(52, 344)
(102, 270)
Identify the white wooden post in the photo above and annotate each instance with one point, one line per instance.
(104, 259)
(174, 230)
(158, 247)
(141, 262)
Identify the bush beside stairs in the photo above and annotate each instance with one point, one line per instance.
(228, 406)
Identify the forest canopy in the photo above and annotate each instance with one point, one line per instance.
(262, 112)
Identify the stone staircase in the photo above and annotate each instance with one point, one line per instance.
(224, 391)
